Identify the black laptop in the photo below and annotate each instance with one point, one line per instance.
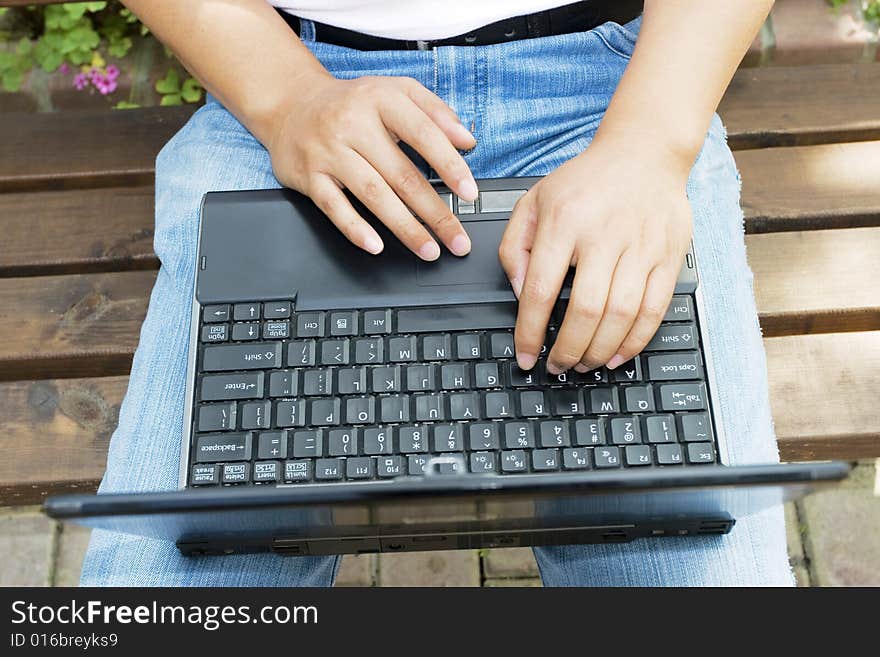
(340, 402)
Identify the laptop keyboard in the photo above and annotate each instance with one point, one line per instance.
(285, 397)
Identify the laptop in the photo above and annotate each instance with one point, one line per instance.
(339, 402)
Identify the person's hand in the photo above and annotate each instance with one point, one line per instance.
(345, 134)
(618, 213)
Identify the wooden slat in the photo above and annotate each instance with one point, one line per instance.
(84, 149)
(76, 231)
(811, 187)
(817, 281)
(802, 105)
(824, 407)
(69, 326)
(824, 392)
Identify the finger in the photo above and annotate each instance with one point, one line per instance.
(326, 194)
(589, 293)
(548, 264)
(441, 114)
(367, 185)
(658, 295)
(414, 127)
(416, 192)
(516, 243)
(624, 298)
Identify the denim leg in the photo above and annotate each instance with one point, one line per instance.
(754, 553)
(212, 152)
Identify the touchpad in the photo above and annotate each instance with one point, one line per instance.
(479, 266)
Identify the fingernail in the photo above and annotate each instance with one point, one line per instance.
(580, 368)
(525, 361)
(516, 284)
(373, 245)
(467, 189)
(554, 369)
(461, 245)
(464, 133)
(616, 361)
(429, 251)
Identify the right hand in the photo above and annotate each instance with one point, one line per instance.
(345, 134)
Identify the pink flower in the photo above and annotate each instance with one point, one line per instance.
(112, 72)
(80, 81)
(64, 68)
(104, 85)
(94, 74)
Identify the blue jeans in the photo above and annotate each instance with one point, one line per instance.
(533, 104)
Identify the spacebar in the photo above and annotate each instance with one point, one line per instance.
(466, 317)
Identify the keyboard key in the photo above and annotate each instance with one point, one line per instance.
(310, 325)
(218, 313)
(514, 461)
(673, 336)
(236, 473)
(700, 453)
(295, 471)
(638, 399)
(369, 351)
(246, 331)
(625, 431)
(554, 433)
(673, 367)
(468, 346)
(683, 397)
(501, 345)
(272, 445)
(486, 375)
(246, 312)
(501, 200)
(518, 435)
(390, 466)
(301, 353)
(669, 455)
(217, 417)
(464, 406)
(420, 378)
(229, 357)
(402, 349)
(256, 415)
(334, 352)
(533, 404)
(276, 330)
(436, 347)
(351, 381)
(217, 387)
(386, 379)
(567, 402)
(276, 310)
(394, 408)
(429, 407)
(450, 468)
(465, 317)
(325, 412)
(448, 438)
(307, 444)
(695, 427)
(317, 382)
(215, 333)
(576, 458)
(589, 432)
(660, 429)
(628, 372)
(637, 455)
(328, 469)
(344, 323)
(483, 436)
(283, 383)
(342, 442)
(360, 410)
(498, 405)
(520, 378)
(412, 439)
(205, 475)
(377, 440)
(593, 377)
(377, 322)
(362, 467)
(483, 462)
(545, 460)
(455, 376)
(679, 310)
(416, 464)
(218, 447)
(266, 472)
(604, 400)
(606, 457)
(290, 413)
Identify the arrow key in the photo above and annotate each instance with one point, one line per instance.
(219, 313)
(276, 310)
(246, 331)
(246, 312)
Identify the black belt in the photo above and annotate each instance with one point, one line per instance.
(575, 17)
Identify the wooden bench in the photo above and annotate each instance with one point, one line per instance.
(76, 268)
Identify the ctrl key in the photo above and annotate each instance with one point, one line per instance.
(205, 475)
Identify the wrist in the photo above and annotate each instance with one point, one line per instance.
(648, 147)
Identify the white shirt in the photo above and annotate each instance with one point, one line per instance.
(412, 19)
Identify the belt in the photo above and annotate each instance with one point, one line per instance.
(575, 17)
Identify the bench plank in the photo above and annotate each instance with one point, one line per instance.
(823, 402)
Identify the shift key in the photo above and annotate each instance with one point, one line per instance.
(253, 356)
(217, 387)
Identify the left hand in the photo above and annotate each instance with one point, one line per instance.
(619, 214)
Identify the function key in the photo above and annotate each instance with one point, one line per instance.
(344, 323)
(360, 467)
(545, 460)
(218, 313)
(482, 462)
(276, 310)
(576, 458)
(377, 322)
(244, 312)
(638, 455)
(669, 455)
(328, 469)
(215, 333)
(681, 309)
(390, 466)
(310, 325)
(607, 457)
(514, 461)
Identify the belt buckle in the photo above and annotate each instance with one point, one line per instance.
(423, 45)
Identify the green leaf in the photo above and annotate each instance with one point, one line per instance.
(120, 48)
(93, 7)
(191, 91)
(12, 80)
(171, 99)
(170, 84)
(7, 60)
(124, 104)
(47, 57)
(24, 46)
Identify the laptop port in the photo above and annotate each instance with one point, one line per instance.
(615, 536)
(289, 548)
